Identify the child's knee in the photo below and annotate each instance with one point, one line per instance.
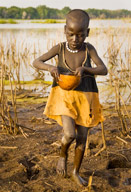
(70, 136)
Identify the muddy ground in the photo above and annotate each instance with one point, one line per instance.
(27, 163)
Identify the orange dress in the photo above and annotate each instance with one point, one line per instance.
(82, 103)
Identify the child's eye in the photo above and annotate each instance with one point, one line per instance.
(70, 34)
(81, 35)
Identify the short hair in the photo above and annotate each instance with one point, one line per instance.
(76, 14)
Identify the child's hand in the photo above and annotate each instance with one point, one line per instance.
(54, 72)
(79, 71)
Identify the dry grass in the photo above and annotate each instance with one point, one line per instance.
(119, 66)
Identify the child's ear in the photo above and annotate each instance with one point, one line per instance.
(88, 30)
(65, 29)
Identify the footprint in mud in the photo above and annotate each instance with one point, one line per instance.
(31, 167)
(118, 163)
(92, 145)
(113, 181)
(127, 181)
(4, 157)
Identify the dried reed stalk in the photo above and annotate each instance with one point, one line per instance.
(119, 77)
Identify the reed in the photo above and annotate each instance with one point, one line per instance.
(8, 122)
(120, 78)
(11, 57)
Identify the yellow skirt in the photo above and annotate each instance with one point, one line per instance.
(83, 107)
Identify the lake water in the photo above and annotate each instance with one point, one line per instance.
(38, 38)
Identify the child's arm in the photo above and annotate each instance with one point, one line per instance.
(100, 68)
(40, 64)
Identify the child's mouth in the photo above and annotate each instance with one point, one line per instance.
(75, 46)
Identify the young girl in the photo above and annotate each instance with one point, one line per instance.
(78, 109)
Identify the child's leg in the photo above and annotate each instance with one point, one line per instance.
(69, 136)
(79, 153)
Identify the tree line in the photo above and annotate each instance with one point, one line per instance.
(43, 12)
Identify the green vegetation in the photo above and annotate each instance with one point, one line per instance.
(48, 21)
(52, 21)
(5, 21)
(106, 14)
(37, 81)
(32, 100)
(43, 12)
(7, 82)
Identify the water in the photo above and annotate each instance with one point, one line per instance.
(26, 24)
(39, 38)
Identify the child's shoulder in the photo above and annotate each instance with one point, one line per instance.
(60, 46)
(56, 48)
(90, 46)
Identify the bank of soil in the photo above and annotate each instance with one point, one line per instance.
(27, 163)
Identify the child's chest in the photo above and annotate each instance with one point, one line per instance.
(75, 60)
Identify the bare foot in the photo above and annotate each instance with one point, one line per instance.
(61, 168)
(79, 180)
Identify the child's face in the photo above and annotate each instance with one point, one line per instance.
(75, 34)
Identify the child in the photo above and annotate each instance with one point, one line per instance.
(79, 109)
